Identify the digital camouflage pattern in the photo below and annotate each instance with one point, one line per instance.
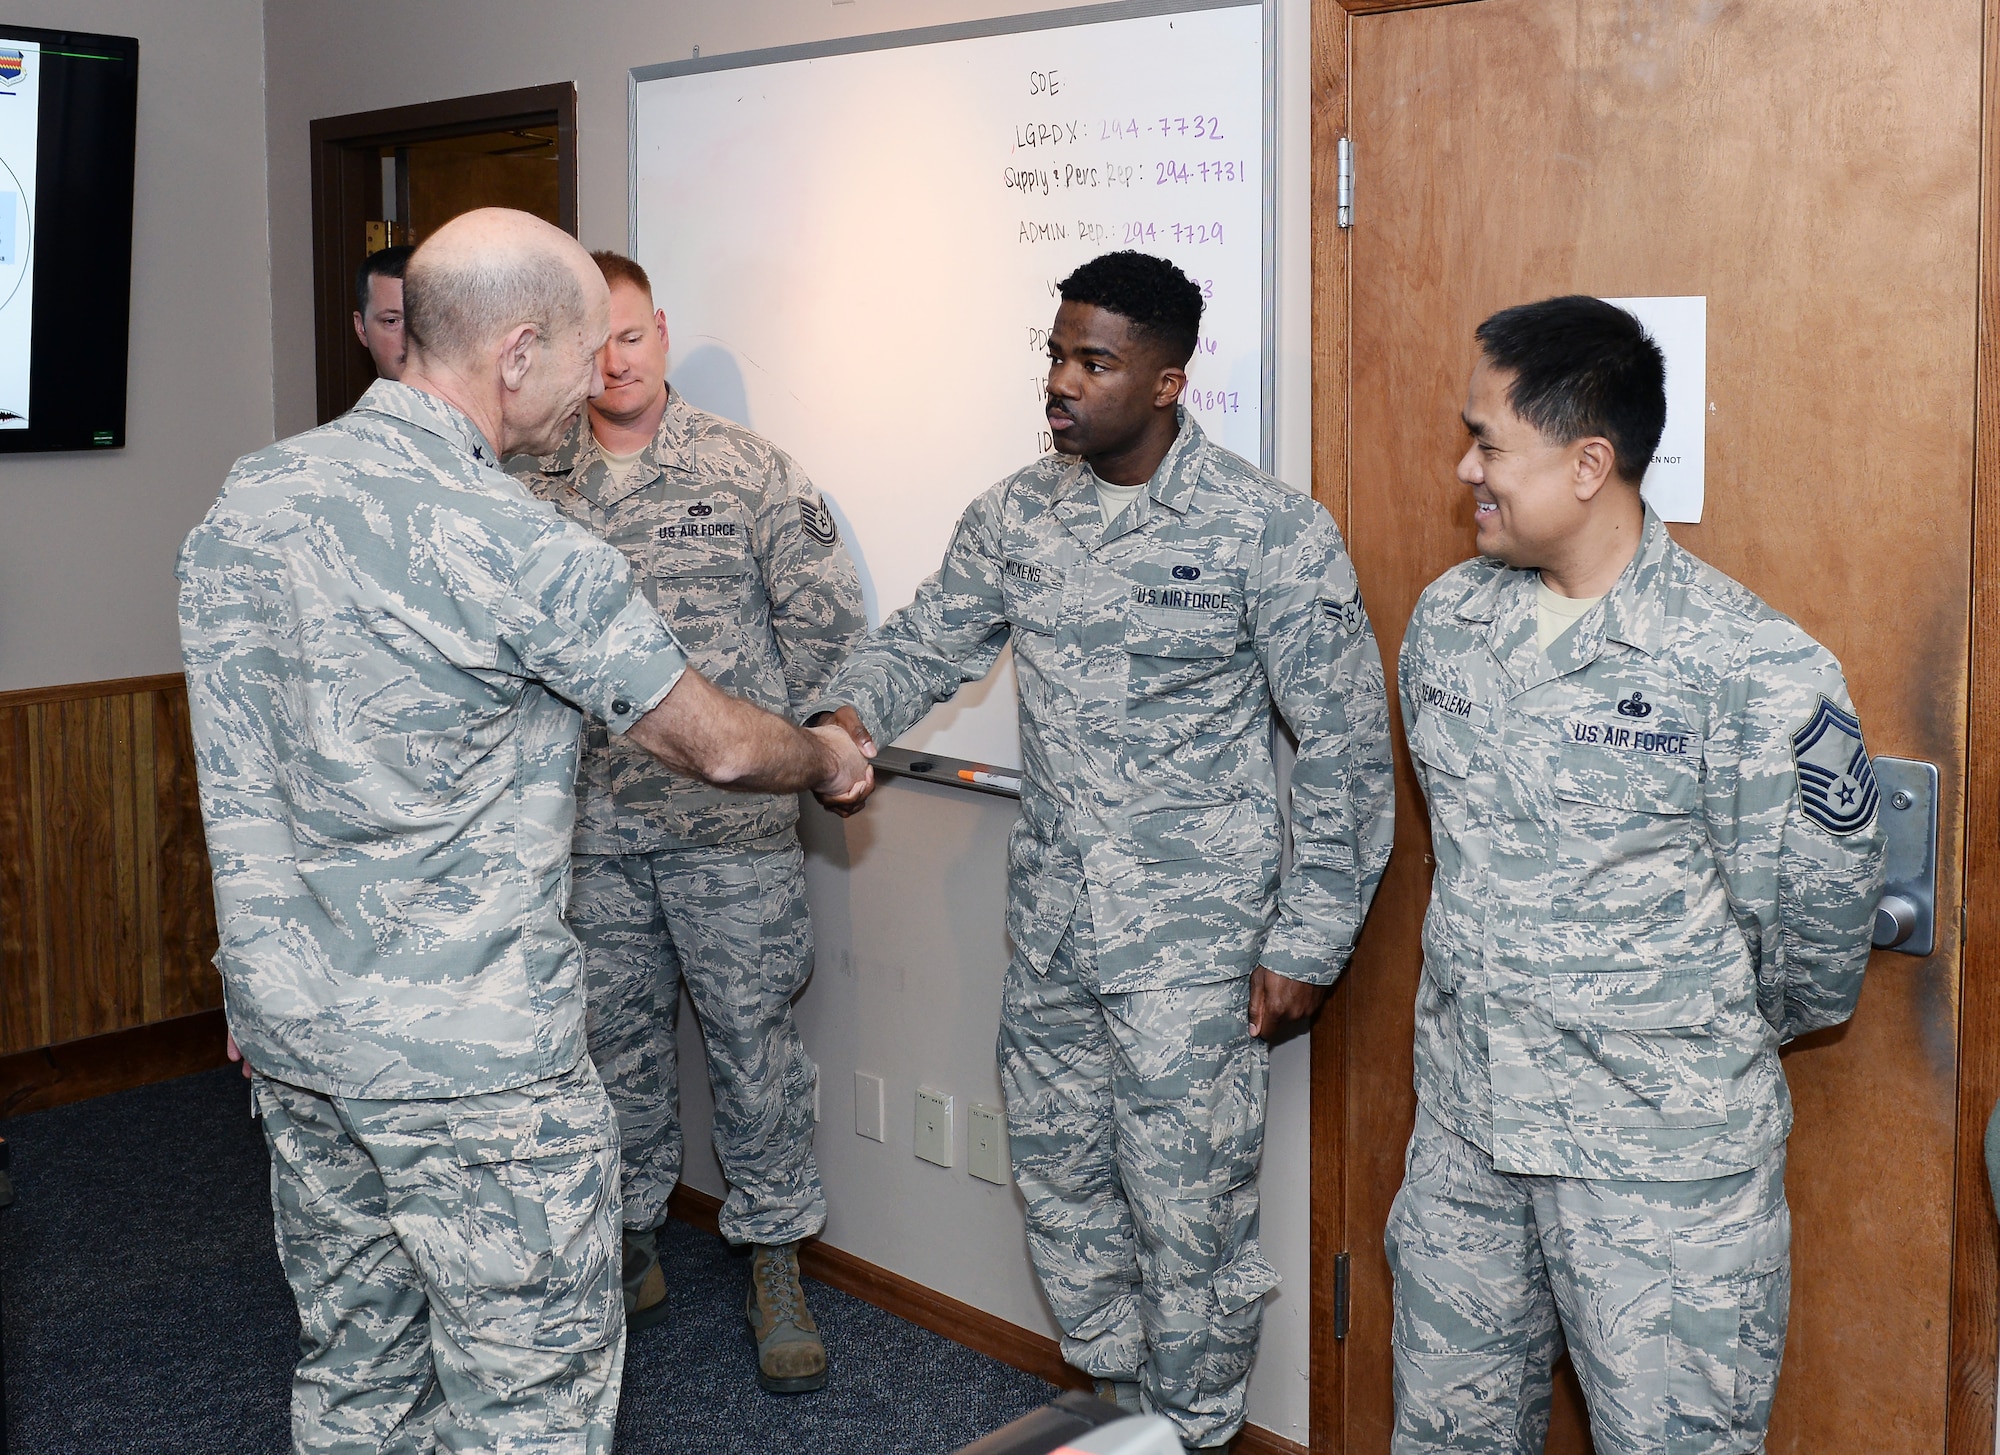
(455, 1265)
(729, 920)
(676, 880)
(383, 636)
(729, 540)
(1637, 899)
(1143, 881)
(1657, 860)
(1136, 1122)
(1671, 1298)
(1150, 653)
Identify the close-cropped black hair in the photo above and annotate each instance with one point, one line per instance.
(1582, 367)
(382, 263)
(1150, 293)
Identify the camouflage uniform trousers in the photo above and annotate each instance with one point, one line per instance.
(731, 922)
(1136, 1123)
(1671, 1296)
(456, 1266)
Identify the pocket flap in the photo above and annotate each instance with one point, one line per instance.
(1246, 1278)
(1443, 743)
(1203, 831)
(1638, 1000)
(528, 1132)
(1155, 632)
(1643, 782)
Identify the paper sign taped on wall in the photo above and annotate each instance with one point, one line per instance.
(1675, 481)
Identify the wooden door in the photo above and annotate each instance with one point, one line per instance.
(1812, 167)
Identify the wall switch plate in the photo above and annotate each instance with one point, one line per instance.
(985, 1143)
(933, 1126)
(868, 1106)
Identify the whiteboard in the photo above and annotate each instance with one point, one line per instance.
(857, 246)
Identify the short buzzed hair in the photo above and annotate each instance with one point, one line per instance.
(382, 263)
(1157, 299)
(450, 311)
(617, 268)
(1582, 367)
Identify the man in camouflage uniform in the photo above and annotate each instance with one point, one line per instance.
(384, 636)
(1657, 860)
(676, 880)
(1161, 596)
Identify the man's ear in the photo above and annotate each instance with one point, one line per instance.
(660, 321)
(360, 329)
(1596, 463)
(519, 347)
(1167, 393)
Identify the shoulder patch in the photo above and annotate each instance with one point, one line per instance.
(817, 521)
(1836, 780)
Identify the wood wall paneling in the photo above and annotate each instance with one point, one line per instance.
(107, 921)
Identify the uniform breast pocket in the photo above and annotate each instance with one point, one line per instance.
(1443, 743)
(690, 593)
(1625, 832)
(1172, 651)
(1031, 605)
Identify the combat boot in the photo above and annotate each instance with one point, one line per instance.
(791, 1356)
(645, 1283)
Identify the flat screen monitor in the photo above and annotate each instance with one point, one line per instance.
(68, 117)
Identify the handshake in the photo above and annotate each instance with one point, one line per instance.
(847, 786)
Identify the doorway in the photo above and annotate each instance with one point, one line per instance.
(1508, 150)
(394, 177)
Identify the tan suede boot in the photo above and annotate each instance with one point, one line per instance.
(791, 1357)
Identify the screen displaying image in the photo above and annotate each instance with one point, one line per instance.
(20, 131)
(68, 120)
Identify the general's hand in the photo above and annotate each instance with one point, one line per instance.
(1276, 1000)
(848, 721)
(847, 787)
(236, 1054)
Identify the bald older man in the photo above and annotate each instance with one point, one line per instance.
(389, 646)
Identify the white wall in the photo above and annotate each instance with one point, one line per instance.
(907, 898)
(87, 550)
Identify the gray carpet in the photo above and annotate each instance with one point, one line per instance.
(145, 1312)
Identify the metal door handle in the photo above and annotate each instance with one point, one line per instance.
(1906, 914)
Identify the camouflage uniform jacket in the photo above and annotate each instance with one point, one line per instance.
(1150, 652)
(376, 623)
(730, 541)
(1657, 859)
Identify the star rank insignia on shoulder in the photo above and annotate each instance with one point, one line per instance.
(1836, 780)
(817, 520)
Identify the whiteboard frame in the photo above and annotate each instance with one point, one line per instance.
(1267, 443)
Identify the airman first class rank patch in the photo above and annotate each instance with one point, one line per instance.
(1836, 780)
(818, 521)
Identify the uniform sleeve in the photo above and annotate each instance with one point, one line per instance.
(1790, 804)
(1318, 652)
(809, 579)
(949, 635)
(574, 622)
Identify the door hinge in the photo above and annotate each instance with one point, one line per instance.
(1343, 199)
(1340, 1295)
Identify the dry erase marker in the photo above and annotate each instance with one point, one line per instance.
(989, 780)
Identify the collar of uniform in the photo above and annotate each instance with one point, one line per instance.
(1172, 486)
(430, 413)
(1632, 608)
(670, 448)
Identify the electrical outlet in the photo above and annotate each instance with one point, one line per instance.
(985, 1143)
(933, 1126)
(868, 1106)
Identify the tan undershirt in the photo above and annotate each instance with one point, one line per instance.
(621, 466)
(1114, 500)
(1556, 614)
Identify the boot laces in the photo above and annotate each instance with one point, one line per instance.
(778, 1286)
